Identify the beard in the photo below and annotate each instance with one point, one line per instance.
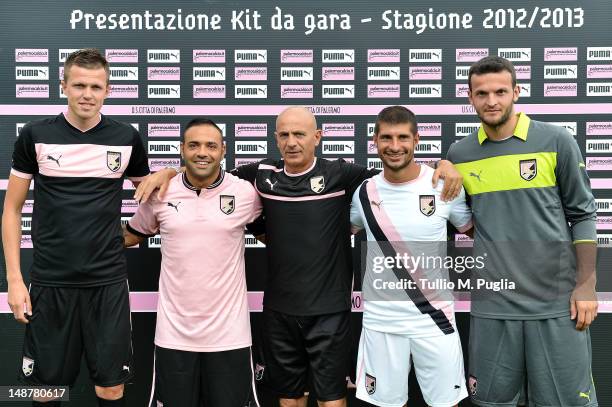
(502, 120)
(397, 166)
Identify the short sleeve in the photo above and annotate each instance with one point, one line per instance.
(144, 222)
(25, 164)
(138, 167)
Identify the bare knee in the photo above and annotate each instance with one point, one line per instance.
(335, 403)
(301, 402)
(110, 393)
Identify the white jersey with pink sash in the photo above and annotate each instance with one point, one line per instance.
(404, 216)
(202, 287)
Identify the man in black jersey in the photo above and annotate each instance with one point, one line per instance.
(78, 300)
(307, 302)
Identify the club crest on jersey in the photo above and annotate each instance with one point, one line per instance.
(473, 385)
(427, 204)
(317, 184)
(113, 160)
(27, 366)
(259, 371)
(227, 203)
(370, 384)
(529, 169)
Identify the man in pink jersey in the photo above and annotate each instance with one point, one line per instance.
(403, 214)
(203, 334)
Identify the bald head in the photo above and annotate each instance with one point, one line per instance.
(298, 114)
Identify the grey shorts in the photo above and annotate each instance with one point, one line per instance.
(550, 355)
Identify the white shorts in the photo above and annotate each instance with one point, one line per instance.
(383, 365)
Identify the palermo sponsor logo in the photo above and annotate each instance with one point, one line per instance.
(523, 71)
(465, 129)
(164, 91)
(372, 149)
(560, 71)
(31, 55)
(122, 56)
(31, 91)
(26, 242)
(209, 91)
(599, 53)
(209, 56)
(425, 55)
(164, 130)
(296, 91)
(250, 73)
(429, 161)
(26, 223)
(462, 72)
(470, 54)
(64, 52)
(383, 91)
(384, 55)
(251, 91)
(425, 91)
(604, 240)
(251, 129)
(375, 163)
(383, 73)
(164, 147)
(37, 73)
(19, 126)
(420, 73)
(154, 242)
(560, 89)
(338, 73)
(599, 146)
(599, 128)
(123, 92)
(603, 205)
(599, 71)
(338, 147)
(430, 129)
(296, 73)
(338, 91)
(599, 89)
(246, 56)
(28, 206)
(571, 127)
(170, 73)
(208, 73)
(515, 54)
(156, 164)
(561, 54)
(338, 129)
(604, 222)
(524, 90)
(429, 147)
(163, 56)
(462, 240)
(123, 73)
(461, 90)
(250, 147)
(245, 161)
(338, 55)
(296, 56)
(251, 241)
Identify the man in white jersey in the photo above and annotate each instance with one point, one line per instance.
(203, 333)
(399, 208)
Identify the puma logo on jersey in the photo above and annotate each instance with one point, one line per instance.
(271, 184)
(586, 395)
(126, 368)
(174, 206)
(376, 204)
(477, 176)
(49, 157)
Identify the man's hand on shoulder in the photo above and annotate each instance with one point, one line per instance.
(452, 180)
(161, 179)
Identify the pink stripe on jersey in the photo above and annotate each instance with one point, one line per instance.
(269, 167)
(301, 198)
(20, 174)
(82, 160)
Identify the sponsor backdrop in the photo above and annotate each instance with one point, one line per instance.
(240, 63)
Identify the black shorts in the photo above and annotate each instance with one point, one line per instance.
(210, 379)
(298, 347)
(67, 322)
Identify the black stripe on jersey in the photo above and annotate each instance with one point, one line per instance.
(136, 232)
(415, 295)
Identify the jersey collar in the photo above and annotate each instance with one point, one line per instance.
(215, 184)
(520, 131)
